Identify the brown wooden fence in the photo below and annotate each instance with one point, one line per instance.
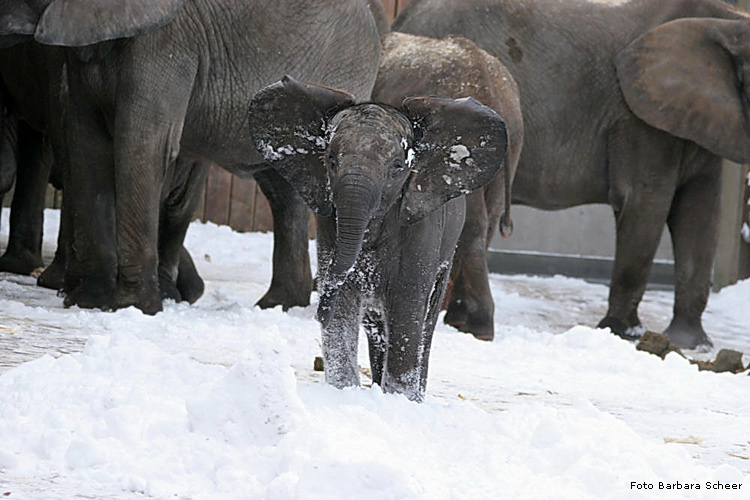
(238, 202)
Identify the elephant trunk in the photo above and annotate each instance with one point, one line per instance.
(355, 197)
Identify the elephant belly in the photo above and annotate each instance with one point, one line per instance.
(560, 180)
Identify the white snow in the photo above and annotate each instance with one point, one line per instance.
(218, 400)
(459, 152)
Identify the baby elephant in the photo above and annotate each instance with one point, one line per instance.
(455, 67)
(386, 185)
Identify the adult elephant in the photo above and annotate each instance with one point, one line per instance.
(31, 86)
(33, 91)
(627, 102)
(151, 81)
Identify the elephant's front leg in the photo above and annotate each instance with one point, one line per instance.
(87, 165)
(644, 175)
(411, 314)
(471, 307)
(54, 274)
(150, 116)
(339, 313)
(693, 224)
(412, 305)
(291, 282)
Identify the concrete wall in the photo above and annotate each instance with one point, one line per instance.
(577, 242)
(587, 230)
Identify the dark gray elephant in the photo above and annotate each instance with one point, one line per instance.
(386, 186)
(151, 81)
(34, 90)
(26, 155)
(455, 67)
(630, 103)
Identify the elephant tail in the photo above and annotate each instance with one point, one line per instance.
(506, 223)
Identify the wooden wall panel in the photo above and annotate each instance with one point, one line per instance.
(262, 219)
(242, 204)
(218, 194)
(391, 7)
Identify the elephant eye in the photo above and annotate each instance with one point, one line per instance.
(397, 167)
(331, 159)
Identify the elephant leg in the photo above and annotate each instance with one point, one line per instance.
(411, 311)
(411, 314)
(643, 171)
(339, 313)
(693, 224)
(471, 308)
(24, 252)
(54, 274)
(377, 340)
(189, 282)
(291, 283)
(148, 130)
(88, 177)
(178, 277)
(433, 311)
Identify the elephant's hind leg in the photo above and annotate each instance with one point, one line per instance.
(24, 252)
(377, 341)
(693, 223)
(471, 308)
(178, 277)
(291, 283)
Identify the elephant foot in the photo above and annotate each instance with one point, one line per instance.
(169, 291)
(286, 297)
(147, 298)
(622, 330)
(688, 334)
(189, 283)
(20, 262)
(91, 293)
(406, 385)
(53, 276)
(475, 320)
(191, 289)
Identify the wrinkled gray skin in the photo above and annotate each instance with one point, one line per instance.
(628, 104)
(33, 93)
(386, 185)
(151, 81)
(455, 67)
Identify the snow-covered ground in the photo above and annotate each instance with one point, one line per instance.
(219, 400)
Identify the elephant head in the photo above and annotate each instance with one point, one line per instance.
(75, 23)
(691, 78)
(359, 162)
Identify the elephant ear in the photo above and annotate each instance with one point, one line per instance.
(288, 125)
(17, 18)
(461, 148)
(75, 23)
(689, 77)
